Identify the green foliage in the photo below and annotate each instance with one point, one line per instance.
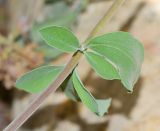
(102, 66)
(38, 79)
(115, 55)
(95, 105)
(60, 38)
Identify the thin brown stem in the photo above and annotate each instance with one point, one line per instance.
(100, 25)
(15, 124)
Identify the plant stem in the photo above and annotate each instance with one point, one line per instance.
(101, 24)
(15, 124)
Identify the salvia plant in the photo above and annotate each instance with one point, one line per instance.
(116, 55)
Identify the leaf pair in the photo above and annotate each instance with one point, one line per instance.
(76, 91)
(40, 78)
(113, 56)
(116, 56)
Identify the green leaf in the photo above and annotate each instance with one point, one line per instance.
(60, 38)
(116, 55)
(38, 79)
(95, 105)
(103, 67)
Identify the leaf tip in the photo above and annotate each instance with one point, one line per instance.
(103, 106)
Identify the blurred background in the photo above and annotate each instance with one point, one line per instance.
(22, 49)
